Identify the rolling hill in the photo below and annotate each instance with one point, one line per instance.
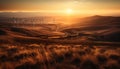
(94, 28)
(101, 28)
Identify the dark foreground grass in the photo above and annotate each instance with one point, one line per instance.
(57, 56)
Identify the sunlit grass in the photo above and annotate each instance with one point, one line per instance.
(53, 56)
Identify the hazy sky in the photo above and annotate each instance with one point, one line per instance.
(91, 6)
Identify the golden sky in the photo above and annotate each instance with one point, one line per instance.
(60, 6)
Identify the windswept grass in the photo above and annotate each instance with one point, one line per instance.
(57, 56)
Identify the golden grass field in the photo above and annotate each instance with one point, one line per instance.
(58, 56)
(91, 43)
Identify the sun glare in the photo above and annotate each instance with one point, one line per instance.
(69, 11)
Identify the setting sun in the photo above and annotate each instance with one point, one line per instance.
(69, 11)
